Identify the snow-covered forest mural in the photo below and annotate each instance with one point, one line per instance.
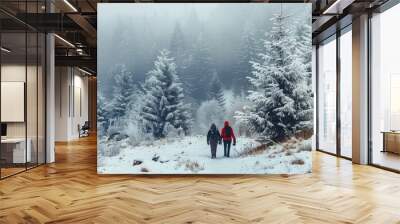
(204, 88)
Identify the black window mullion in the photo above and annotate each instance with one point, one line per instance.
(316, 97)
(369, 79)
(338, 92)
(26, 86)
(37, 90)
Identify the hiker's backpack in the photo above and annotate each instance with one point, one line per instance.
(228, 132)
(213, 135)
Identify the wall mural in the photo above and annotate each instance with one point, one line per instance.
(204, 88)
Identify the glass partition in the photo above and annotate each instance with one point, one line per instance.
(41, 107)
(385, 89)
(23, 91)
(327, 96)
(13, 109)
(346, 93)
(31, 99)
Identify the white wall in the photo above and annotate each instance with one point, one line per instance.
(79, 117)
(70, 84)
(12, 73)
(62, 81)
(34, 125)
(17, 73)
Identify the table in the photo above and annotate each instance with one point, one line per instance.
(13, 150)
(391, 141)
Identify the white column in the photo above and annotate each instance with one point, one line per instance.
(50, 99)
(360, 90)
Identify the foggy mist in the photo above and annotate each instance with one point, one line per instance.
(133, 34)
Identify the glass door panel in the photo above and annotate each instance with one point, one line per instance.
(346, 94)
(14, 153)
(385, 89)
(327, 96)
(31, 100)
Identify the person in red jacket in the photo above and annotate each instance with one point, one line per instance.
(227, 136)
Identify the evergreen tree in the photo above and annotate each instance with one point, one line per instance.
(179, 51)
(193, 26)
(198, 69)
(281, 101)
(164, 105)
(304, 47)
(303, 94)
(178, 45)
(124, 88)
(215, 91)
(102, 115)
(247, 52)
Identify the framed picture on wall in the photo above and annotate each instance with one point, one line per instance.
(204, 88)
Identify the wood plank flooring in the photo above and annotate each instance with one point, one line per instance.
(70, 191)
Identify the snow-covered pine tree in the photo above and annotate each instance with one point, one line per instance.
(215, 91)
(102, 115)
(184, 119)
(124, 88)
(303, 105)
(164, 105)
(304, 46)
(278, 81)
(303, 93)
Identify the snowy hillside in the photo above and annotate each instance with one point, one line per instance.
(191, 154)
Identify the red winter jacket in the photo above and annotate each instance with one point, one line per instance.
(226, 137)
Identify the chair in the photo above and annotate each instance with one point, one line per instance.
(84, 130)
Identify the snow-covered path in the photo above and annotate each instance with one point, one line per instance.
(191, 154)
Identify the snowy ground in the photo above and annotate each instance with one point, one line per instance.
(190, 155)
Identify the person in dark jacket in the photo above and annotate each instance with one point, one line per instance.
(213, 139)
(227, 136)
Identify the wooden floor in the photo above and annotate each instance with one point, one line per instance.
(70, 191)
(387, 159)
(5, 172)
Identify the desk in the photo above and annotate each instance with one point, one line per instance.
(391, 141)
(13, 150)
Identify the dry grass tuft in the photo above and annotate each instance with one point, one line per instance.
(252, 151)
(298, 162)
(193, 166)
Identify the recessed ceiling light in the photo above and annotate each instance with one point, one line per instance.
(5, 50)
(64, 40)
(70, 5)
(337, 7)
(84, 71)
